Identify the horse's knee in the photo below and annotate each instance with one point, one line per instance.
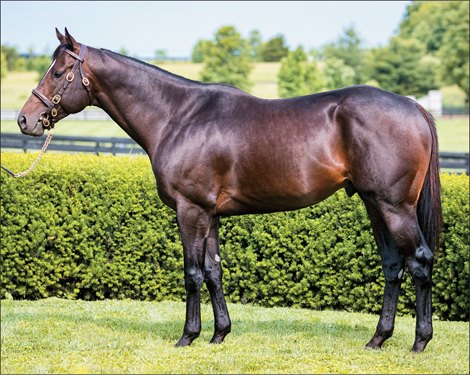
(393, 271)
(193, 279)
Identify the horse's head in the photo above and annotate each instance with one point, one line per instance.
(63, 90)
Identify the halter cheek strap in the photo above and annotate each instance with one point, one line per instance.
(55, 100)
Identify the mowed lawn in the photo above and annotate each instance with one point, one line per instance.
(63, 336)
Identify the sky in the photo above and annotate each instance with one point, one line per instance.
(142, 27)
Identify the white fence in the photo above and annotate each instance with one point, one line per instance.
(92, 114)
(431, 102)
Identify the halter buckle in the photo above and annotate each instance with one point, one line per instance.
(56, 99)
(85, 81)
(54, 112)
(45, 121)
(70, 76)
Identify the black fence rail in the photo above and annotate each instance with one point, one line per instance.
(72, 144)
(449, 161)
(457, 161)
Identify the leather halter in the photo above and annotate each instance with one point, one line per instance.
(47, 116)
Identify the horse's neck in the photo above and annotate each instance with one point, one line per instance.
(140, 99)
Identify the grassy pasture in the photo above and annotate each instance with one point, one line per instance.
(17, 86)
(63, 336)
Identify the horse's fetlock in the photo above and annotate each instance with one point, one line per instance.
(423, 336)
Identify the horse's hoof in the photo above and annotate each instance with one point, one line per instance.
(371, 347)
(217, 339)
(373, 344)
(184, 341)
(419, 346)
(219, 336)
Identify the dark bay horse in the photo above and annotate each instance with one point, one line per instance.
(216, 150)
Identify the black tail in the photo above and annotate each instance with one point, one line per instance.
(429, 203)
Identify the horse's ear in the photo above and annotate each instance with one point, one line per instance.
(60, 36)
(71, 41)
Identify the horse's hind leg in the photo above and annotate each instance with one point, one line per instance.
(402, 223)
(392, 265)
(213, 278)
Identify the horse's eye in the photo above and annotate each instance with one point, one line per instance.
(57, 74)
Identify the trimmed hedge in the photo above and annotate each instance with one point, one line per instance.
(93, 227)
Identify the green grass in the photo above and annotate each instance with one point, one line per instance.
(61, 336)
(453, 134)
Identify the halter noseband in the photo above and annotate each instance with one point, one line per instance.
(51, 104)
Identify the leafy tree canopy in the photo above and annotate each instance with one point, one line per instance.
(349, 49)
(274, 49)
(298, 76)
(227, 59)
(442, 27)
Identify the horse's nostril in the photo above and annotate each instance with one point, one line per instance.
(22, 122)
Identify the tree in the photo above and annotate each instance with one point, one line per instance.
(256, 42)
(402, 67)
(11, 56)
(274, 49)
(348, 48)
(454, 50)
(38, 64)
(160, 55)
(297, 76)
(337, 74)
(123, 51)
(442, 27)
(426, 22)
(200, 50)
(227, 59)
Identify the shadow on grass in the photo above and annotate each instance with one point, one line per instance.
(317, 329)
(171, 328)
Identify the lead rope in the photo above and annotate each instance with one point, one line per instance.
(43, 150)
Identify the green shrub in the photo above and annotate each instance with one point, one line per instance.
(93, 227)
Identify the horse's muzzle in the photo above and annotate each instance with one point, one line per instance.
(28, 128)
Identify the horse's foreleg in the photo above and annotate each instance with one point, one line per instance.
(392, 265)
(194, 223)
(213, 278)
